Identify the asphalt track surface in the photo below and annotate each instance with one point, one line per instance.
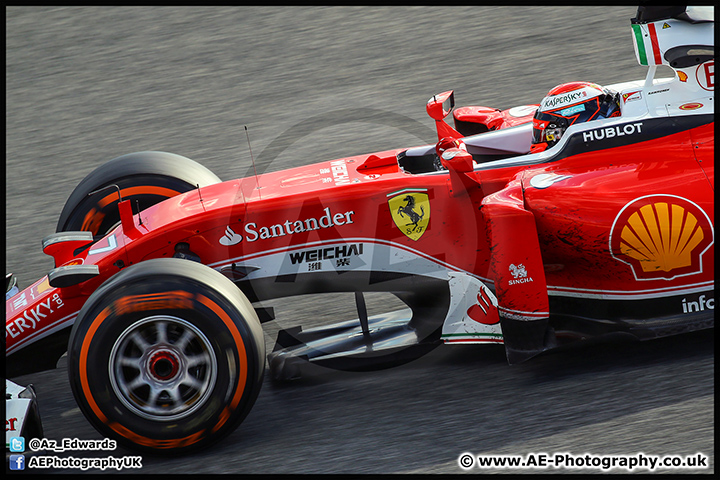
(88, 84)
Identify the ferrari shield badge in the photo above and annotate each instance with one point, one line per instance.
(410, 210)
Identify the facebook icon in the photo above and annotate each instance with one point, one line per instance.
(17, 462)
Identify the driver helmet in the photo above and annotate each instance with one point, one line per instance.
(568, 104)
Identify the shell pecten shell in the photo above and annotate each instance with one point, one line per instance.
(659, 239)
(661, 236)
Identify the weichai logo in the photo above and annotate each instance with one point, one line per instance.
(661, 236)
(339, 252)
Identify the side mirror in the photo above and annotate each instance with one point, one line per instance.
(440, 105)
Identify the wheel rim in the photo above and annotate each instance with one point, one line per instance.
(162, 368)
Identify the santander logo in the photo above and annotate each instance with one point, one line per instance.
(230, 237)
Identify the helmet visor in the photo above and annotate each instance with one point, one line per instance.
(552, 134)
(547, 131)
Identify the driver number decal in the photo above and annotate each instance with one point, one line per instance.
(705, 74)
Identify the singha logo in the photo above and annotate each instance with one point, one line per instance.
(518, 271)
(520, 274)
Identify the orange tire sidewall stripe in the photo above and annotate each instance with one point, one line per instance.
(242, 354)
(141, 190)
(92, 221)
(83, 364)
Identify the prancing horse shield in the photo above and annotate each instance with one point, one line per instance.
(410, 210)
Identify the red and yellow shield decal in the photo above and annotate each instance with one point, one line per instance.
(410, 210)
(661, 236)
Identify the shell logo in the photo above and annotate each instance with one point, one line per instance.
(661, 237)
(691, 106)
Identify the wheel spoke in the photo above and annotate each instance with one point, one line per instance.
(192, 382)
(136, 383)
(184, 339)
(161, 328)
(139, 341)
(195, 360)
(130, 362)
(175, 395)
(153, 397)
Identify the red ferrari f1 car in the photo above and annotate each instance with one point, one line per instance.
(530, 227)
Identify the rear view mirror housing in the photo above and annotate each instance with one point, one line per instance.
(440, 105)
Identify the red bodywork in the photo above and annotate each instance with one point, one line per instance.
(619, 235)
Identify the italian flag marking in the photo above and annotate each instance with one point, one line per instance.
(653, 47)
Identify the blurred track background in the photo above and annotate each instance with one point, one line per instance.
(87, 84)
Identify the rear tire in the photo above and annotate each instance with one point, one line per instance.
(166, 356)
(144, 178)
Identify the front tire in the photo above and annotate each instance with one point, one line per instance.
(144, 178)
(167, 356)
